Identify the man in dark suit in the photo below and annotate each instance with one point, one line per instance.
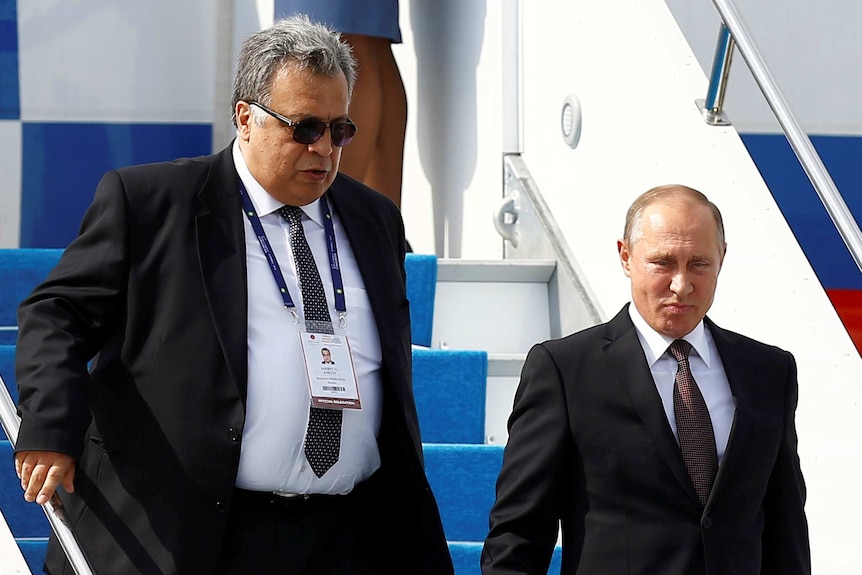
(194, 443)
(649, 463)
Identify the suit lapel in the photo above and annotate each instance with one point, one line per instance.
(636, 378)
(738, 376)
(221, 251)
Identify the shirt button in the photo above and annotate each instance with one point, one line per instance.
(220, 507)
(707, 523)
(234, 434)
(304, 468)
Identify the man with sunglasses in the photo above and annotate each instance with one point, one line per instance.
(165, 365)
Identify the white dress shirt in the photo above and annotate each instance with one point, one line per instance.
(272, 457)
(706, 367)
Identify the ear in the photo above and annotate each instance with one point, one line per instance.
(625, 257)
(243, 120)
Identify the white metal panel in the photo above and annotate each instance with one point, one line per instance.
(10, 183)
(126, 61)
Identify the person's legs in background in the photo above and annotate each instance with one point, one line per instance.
(379, 109)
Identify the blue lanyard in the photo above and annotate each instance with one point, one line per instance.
(337, 283)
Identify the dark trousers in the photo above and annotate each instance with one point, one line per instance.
(272, 535)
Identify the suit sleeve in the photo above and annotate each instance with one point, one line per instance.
(65, 321)
(525, 517)
(785, 534)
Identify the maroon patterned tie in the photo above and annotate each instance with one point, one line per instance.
(323, 436)
(693, 425)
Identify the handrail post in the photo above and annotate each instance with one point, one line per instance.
(713, 106)
(53, 508)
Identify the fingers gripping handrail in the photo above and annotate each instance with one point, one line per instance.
(53, 508)
(799, 141)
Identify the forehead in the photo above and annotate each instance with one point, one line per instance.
(668, 225)
(296, 89)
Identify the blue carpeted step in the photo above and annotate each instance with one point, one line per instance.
(7, 369)
(421, 287)
(449, 387)
(463, 479)
(465, 557)
(34, 550)
(21, 270)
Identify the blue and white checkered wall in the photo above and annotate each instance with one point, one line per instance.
(87, 86)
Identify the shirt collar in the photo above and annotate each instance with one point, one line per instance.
(656, 344)
(264, 203)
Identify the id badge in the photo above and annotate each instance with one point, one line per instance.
(329, 369)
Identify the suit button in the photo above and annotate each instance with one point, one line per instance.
(707, 522)
(220, 507)
(234, 434)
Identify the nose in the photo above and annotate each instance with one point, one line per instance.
(680, 284)
(323, 146)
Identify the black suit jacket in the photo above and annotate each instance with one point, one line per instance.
(154, 288)
(590, 446)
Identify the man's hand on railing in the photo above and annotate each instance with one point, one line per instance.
(41, 472)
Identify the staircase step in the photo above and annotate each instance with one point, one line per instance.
(7, 370)
(421, 270)
(449, 389)
(465, 557)
(22, 269)
(501, 306)
(34, 550)
(463, 479)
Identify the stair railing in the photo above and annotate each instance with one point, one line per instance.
(54, 507)
(734, 32)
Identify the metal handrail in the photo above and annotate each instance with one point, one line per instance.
(54, 507)
(713, 105)
(799, 141)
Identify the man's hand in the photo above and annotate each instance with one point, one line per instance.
(41, 472)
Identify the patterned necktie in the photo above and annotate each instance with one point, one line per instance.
(323, 436)
(693, 425)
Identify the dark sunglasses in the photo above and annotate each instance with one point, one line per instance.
(307, 132)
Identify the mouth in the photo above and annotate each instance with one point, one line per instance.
(316, 173)
(677, 308)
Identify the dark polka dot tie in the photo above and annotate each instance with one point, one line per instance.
(323, 436)
(693, 425)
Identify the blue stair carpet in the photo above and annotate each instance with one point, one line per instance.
(449, 387)
(7, 370)
(21, 270)
(421, 286)
(34, 550)
(462, 478)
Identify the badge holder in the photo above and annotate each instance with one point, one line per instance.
(329, 366)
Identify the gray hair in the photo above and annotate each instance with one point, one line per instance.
(666, 194)
(291, 40)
